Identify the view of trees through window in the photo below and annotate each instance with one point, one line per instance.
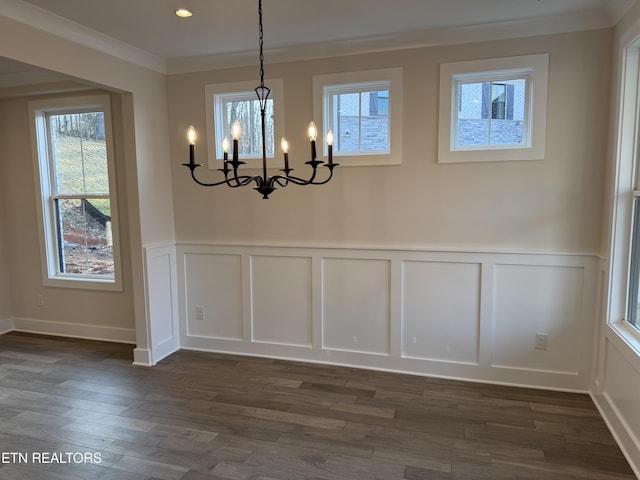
(247, 113)
(80, 193)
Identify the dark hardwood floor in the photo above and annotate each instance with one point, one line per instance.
(75, 409)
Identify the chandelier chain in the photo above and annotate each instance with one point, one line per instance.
(261, 33)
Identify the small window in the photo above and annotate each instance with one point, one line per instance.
(493, 110)
(364, 111)
(229, 102)
(74, 158)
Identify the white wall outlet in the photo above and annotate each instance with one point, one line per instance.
(40, 300)
(199, 314)
(541, 341)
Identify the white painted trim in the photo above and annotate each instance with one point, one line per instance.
(623, 435)
(75, 330)
(142, 357)
(6, 325)
(562, 377)
(162, 347)
(536, 67)
(390, 248)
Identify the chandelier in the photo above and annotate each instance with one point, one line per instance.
(264, 183)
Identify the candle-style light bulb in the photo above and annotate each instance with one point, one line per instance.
(313, 132)
(191, 135)
(236, 130)
(329, 138)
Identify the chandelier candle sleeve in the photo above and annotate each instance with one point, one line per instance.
(235, 134)
(225, 148)
(330, 146)
(191, 135)
(313, 134)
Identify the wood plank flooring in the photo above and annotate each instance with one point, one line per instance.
(65, 404)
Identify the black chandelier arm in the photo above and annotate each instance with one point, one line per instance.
(283, 180)
(240, 181)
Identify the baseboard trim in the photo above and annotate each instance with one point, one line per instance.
(627, 442)
(75, 330)
(6, 325)
(142, 357)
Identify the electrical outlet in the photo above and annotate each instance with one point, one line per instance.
(40, 300)
(541, 341)
(199, 314)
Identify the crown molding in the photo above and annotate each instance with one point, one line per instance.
(605, 17)
(583, 21)
(616, 9)
(61, 27)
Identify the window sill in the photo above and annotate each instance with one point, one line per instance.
(626, 340)
(84, 283)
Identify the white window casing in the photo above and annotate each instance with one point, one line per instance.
(532, 71)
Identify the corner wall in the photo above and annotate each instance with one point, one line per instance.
(71, 312)
(6, 310)
(146, 150)
(616, 380)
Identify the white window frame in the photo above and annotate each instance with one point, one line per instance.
(626, 180)
(43, 172)
(363, 81)
(534, 67)
(215, 93)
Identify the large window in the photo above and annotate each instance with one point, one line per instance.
(75, 172)
(238, 101)
(492, 110)
(364, 111)
(623, 295)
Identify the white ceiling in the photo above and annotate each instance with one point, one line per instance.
(224, 29)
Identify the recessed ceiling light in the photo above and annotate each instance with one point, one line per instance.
(183, 13)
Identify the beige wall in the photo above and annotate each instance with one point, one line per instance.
(5, 286)
(551, 205)
(109, 309)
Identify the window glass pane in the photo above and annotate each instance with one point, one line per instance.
(247, 112)
(361, 121)
(86, 243)
(491, 113)
(473, 108)
(634, 272)
(79, 153)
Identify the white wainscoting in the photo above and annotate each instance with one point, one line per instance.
(162, 302)
(468, 315)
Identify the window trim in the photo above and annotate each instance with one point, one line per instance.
(214, 147)
(42, 170)
(627, 170)
(360, 81)
(495, 69)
